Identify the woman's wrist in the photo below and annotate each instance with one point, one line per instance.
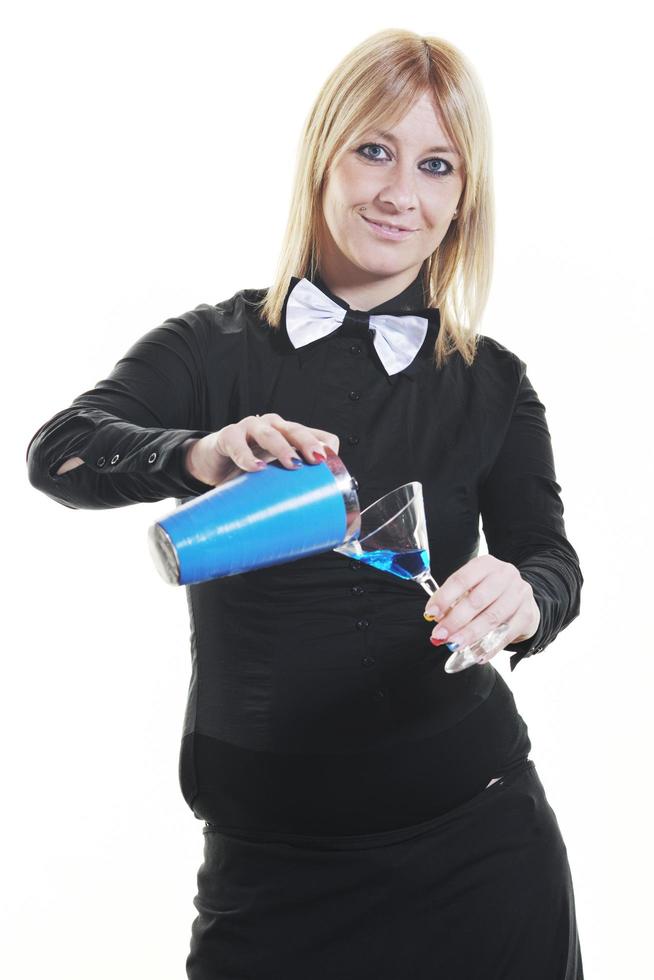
(187, 446)
(528, 636)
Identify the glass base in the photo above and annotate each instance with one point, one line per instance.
(470, 655)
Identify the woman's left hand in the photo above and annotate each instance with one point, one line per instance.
(477, 598)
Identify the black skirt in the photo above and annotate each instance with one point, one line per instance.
(481, 892)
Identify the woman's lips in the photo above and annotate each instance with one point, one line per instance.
(390, 234)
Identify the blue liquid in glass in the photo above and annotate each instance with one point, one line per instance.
(404, 564)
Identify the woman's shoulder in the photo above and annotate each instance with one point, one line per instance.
(497, 353)
(233, 315)
(496, 363)
(219, 328)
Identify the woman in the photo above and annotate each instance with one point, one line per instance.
(366, 815)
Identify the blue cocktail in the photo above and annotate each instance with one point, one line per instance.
(393, 538)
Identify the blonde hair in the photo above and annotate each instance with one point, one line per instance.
(379, 80)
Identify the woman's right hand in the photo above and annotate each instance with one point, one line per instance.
(240, 446)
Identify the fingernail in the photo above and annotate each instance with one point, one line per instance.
(437, 643)
(295, 461)
(320, 457)
(261, 463)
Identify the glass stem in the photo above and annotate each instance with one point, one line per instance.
(429, 584)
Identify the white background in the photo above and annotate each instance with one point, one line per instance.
(147, 168)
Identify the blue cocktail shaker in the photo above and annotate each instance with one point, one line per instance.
(258, 519)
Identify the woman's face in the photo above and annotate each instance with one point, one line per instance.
(410, 177)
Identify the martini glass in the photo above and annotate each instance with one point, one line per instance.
(393, 538)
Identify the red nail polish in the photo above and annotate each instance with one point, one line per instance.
(320, 457)
(436, 642)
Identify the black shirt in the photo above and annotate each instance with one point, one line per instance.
(316, 702)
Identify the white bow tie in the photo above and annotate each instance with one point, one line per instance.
(311, 315)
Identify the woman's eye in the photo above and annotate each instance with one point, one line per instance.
(368, 146)
(441, 173)
(437, 173)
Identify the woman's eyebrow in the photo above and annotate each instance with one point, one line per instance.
(432, 149)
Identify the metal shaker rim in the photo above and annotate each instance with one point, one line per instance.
(348, 486)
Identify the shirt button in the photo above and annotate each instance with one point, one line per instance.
(379, 695)
(362, 624)
(114, 459)
(367, 661)
(152, 457)
(353, 440)
(355, 349)
(355, 395)
(101, 461)
(357, 590)
(356, 565)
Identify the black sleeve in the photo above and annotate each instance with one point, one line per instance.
(129, 429)
(522, 520)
